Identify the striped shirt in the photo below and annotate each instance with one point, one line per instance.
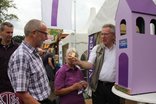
(26, 72)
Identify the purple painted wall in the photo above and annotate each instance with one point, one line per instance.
(141, 49)
(121, 14)
(142, 6)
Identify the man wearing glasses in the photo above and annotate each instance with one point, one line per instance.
(26, 71)
(102, 60)
(7, 47)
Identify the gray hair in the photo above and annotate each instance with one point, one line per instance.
(111, 26)
(71, 50)
(8, 24)
(32, 25)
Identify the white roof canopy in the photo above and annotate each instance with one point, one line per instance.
(105, 15)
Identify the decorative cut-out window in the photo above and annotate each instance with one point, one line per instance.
(153, 27)
(123, 69)
(140, 25)
(123, 27)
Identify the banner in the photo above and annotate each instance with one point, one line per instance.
(57, 13)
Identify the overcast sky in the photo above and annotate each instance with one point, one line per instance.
(29, 9)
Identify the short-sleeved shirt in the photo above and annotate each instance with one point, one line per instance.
(66, 77)
(26, 72)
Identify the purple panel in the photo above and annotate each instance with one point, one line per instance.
(91, 43)
(142, 6)
(54, 12)
(123, 70)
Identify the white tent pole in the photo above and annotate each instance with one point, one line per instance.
(75, 23)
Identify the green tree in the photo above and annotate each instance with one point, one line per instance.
(18, 38)
(4, 6)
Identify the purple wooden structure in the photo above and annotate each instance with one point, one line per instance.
(136, 46)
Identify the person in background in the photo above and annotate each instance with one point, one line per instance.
(41, 52)
(7, 47)
(26, 70)
(49, 65)
(102, 60)
(57, 64)
(69, 81)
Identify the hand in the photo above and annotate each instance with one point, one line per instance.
(77, 86)
(84, 84)
(75, 61)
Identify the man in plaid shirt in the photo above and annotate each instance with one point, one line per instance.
(26, 71)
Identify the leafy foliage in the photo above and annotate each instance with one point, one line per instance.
(18, 38)
(4, 6)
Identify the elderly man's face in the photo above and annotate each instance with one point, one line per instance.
(107, 37)
(41, 36)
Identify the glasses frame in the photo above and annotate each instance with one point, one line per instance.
(106, 34)
(45, 33)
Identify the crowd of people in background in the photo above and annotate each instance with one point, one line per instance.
(33, 73)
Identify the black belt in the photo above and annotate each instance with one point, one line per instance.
(44, 101)
(106, 82)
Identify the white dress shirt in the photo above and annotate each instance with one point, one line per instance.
(108, 68)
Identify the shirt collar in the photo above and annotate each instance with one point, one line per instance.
(30, 48)
(11, 44)
(67, 68)
(111, 48)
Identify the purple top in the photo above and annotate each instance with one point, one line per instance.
(142, 6)
(66, 77)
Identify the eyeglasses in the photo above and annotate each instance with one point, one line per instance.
(45, 33)
(106, 33)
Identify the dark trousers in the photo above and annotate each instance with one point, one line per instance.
(47, 101)
(104, 94)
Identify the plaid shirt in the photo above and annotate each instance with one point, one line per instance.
(26, 72)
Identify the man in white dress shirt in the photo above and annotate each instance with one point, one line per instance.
(102, 60)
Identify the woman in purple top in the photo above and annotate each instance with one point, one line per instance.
(69, 81)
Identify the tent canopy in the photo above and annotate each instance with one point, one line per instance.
(105, 15)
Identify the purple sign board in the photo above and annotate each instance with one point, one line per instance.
(91, 43)
(123, 43)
